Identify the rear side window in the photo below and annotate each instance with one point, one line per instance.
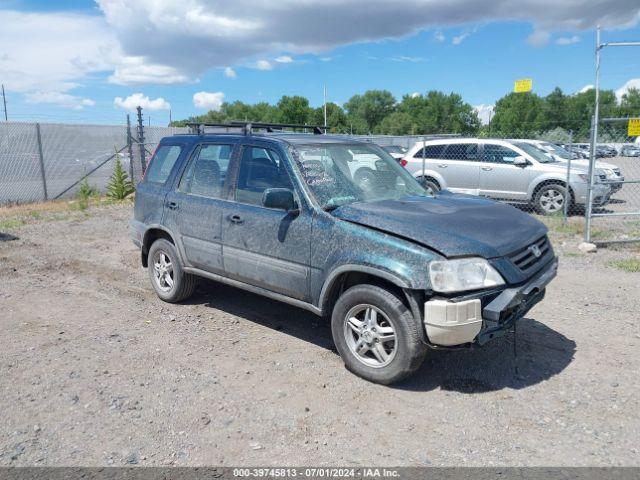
(430, 151)
(207, 172)
(461, 151)
(162, 163)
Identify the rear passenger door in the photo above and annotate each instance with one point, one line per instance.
(499, 177)
(266, 247)
(194, 208)
(458, 165)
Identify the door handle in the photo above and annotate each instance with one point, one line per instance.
(487, 169)
(172, 205)
(443, 165)
(237, 219)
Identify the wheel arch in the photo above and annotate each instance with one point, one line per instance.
(347, 276)
(550, 181)
(151, 235)
(431, 175)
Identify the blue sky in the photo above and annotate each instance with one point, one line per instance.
(83, 61)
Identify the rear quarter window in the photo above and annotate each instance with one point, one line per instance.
(162, 163)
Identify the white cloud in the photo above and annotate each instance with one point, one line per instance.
(438, 36)
(140, 100)
(195, 35)
(230, 72)
(208, 100)
(135, 71)
(459, 39)
(52, 52)
(326, 59)
(403, 58)
(633, 83)
(61, 99)
(539, 38)
(568, 40)
(263, 65)
(284, 59)
(415, 95)
(586, 88)
(485, 112)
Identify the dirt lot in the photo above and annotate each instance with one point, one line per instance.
(95, 370)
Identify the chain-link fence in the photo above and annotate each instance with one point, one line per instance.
(48, 161)
(618, 155)
(40, 161)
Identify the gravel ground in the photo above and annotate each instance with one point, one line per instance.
(95, 370)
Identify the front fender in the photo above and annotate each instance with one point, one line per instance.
(339, 246)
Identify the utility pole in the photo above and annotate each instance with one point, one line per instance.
(324, 94)
(170, 121)
(4, 101)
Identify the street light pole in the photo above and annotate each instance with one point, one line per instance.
(4, 101)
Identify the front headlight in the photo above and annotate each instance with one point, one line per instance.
(463, 274)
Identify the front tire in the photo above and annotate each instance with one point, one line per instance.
(376, 334)
(168, 279)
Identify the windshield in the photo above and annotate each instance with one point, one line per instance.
(340, 174)
(537, 153)
(558, 150)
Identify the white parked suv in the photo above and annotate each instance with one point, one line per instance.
(515, 171)
(612, 172)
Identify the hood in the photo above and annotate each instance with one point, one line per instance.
(452, 224)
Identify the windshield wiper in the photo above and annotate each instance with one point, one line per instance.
(330, 208)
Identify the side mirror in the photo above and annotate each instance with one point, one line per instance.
(520, 161)
(280, 198)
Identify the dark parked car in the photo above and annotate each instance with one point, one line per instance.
(397, 270)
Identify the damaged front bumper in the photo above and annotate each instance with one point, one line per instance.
(476, 319)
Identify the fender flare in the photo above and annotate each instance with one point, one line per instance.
(336, 272)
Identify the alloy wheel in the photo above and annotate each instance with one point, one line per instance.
(370, 335)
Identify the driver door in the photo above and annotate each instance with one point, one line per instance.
(265, 247)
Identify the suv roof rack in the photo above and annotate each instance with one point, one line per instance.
(248, 127)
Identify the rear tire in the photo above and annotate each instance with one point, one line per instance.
(429, 184)
(374, 322)
(549, 199)
(171, 283)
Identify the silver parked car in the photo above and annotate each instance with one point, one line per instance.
(513, 171)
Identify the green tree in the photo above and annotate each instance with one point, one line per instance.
(518, 115)
(294, 109)
(371, 107)
(336, 118)
(120, 186)
(630, 103)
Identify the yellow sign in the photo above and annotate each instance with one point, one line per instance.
(634, 127)
(523, 85)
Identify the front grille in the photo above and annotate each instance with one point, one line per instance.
(526, 257)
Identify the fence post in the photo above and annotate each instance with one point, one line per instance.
(592, 167)
(130, 147)
(424, 160)
(143, 160)
(567, 195)
(41, 158)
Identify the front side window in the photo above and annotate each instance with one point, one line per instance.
(499, 154)
(207, 172)
(260, 168)
(537, 153)
(162, 163)
(339, 174)
(461, 151)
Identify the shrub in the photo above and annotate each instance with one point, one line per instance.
(120, 185)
